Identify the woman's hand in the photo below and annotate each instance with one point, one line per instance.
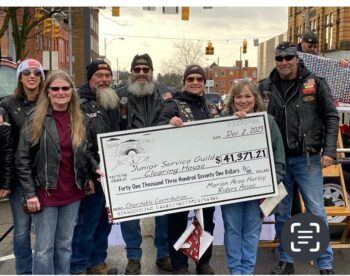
(176, 121)
(4, 192)
(240, 114)
(33, 204)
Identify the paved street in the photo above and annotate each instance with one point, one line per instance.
(267, 257)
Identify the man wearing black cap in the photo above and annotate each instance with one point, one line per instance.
(141, 102)
(302, 105)
(308, 45)
(99, 103)
(187, 106)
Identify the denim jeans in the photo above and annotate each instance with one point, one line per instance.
(242, 223)
(21, 232)
(54, 228)
(131, 231)
(309, 179)
(90, 239)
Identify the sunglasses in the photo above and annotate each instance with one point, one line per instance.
(143, 69)
(191, 79)
(58, 88)
(27, 72)
(287, 58)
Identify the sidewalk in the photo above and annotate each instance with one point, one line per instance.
(266, 261)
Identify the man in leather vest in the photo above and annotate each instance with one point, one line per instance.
(302, 105)
(99, 103)
(141, 102)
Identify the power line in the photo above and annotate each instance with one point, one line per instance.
(181, 38)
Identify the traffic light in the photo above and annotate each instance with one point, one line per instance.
(39, 13)
(115, 11)
(209, 50)
(185, 14)
(47, 25)
(245, 45)
(56, 30)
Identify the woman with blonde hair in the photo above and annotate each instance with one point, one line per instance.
(52, 164)
(243, 220)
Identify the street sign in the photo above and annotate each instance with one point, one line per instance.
(209, 83)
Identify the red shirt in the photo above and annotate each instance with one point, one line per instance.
(67, 190)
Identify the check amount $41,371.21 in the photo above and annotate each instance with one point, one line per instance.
(241, 156)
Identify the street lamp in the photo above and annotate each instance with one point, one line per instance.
(106, 44)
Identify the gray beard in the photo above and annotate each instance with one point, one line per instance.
(140, 89)
(107, 98)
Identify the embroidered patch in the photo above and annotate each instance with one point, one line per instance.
(309, 98)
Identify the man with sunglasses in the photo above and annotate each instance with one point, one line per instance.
(99, 103)
(186, 106)
(308, 45)
(141, 102)
(303, 107)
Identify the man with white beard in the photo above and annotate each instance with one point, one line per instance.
(99, 103)
(141, 102)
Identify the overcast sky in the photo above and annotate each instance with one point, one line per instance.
(154, 33)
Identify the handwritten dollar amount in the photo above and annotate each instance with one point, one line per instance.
(241, 156)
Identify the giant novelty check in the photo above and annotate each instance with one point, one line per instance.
(160, 170)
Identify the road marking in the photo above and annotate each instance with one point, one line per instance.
(6, 258)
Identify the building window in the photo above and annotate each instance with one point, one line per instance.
(222, 73)
(231, 73)
(254, 74)
(222, 83)
(329, 31)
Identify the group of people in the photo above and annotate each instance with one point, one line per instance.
(50, 163)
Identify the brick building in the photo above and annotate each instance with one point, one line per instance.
(84, 40)
(331, 24)
(223, 76)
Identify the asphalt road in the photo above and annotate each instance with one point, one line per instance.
(266, 261)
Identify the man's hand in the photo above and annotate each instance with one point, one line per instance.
(176, 121)
(326, 161)
(4, 192)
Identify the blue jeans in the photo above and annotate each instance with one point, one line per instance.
(22, 223)
(90, 240)
(131, 232)
(54, 228)
(242, 223)
(309, 180)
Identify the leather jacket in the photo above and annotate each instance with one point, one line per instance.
(139, 112)
(38, 165)
(198, 106)
(308, 119)
(7, 154)
(18, 110)
(99, 120)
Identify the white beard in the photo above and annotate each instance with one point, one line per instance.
(140, 89)
(107, 98)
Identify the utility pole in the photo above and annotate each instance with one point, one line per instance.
(307, 19)
(70, 49)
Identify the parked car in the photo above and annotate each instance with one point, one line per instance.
(214, 98)
(8, 81)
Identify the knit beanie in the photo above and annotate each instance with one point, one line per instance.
(27, 64)
(144, 59)
(194, 69)
(97, 65)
